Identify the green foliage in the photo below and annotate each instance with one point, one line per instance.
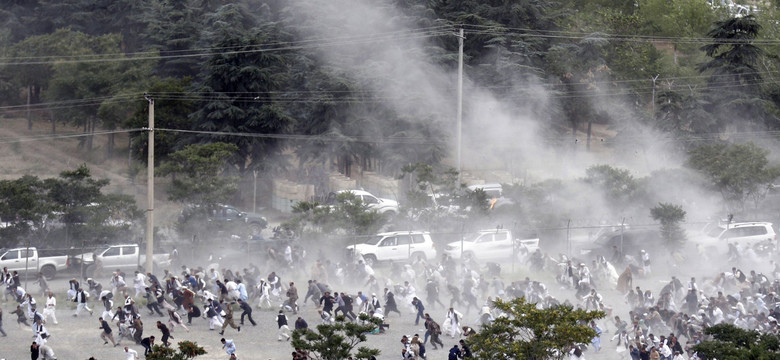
(346, 214)
(670, 216)
(237, 96)
(33, 207)
(740, 172)
(187, 350)
(201, 174)
(530, 333)
(337, 341)
(731, 342)
(619, 187)
(169, 113)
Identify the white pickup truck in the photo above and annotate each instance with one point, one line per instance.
(123, 257)
(27, 261)
(495, 244)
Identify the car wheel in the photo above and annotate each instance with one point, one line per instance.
(255, 228)
(49, 272)
(370, 260)
(418, 255)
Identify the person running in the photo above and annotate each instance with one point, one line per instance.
(166, 334)
(50, 310)
(147, 343)
(105, 334)
(229, 346)
(130, 354)
(284, 329)
(247, 311)
(228, 319)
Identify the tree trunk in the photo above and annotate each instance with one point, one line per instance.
(91, 133)
(590, 123)
(110, 145)
(53, 123)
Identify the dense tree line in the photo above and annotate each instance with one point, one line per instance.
(263, 67)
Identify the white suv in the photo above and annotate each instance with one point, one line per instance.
(396, 246)
(745, 234)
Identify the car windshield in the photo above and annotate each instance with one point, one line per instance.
(374, 240)
(713, 229)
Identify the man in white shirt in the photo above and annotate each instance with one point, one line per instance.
(139, 283)
(229, 346)
(49, 310)
(130, 354)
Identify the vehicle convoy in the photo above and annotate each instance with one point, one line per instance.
(29, 261)
(493, 244)
(124, 257)
(396, 246)
(383, 206)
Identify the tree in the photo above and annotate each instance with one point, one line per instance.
(25, 206)
(344, 212)
(200, 174)
(731, 342)
(187, 350)
(88, 214)
(618, 185)
(740, 172)
(171, 112)
(670, 216)
(338, 340)
(238, 97)
(735, 81)
(531, 333)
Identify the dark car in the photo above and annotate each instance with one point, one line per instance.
(631, 242)
(224, 218)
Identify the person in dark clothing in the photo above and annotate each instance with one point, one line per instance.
(1, 323)
(454, 353)
(420, 310)
(106, 333)
(326, 301)
(151, 302)
(390, 304)
(20, 317)
(348, 307)
(34, 351)
(464, 350)
(301, 324)
(166, 334)
(192, 312)
(247, 311)
(147, 343)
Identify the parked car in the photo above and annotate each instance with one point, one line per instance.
(718, 236)
(226, 218)
(28, 261)
(396, 246)
(382, 206)
(123, 257)
(494, 244)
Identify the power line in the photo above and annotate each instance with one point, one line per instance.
(260, 48)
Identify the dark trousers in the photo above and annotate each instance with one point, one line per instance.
(249, 315)
(147, 349)
(420, 315)
(154, 307)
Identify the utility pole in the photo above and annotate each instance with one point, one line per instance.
(254, 192)
(652, 105)
(460, 102)
(150, 189)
